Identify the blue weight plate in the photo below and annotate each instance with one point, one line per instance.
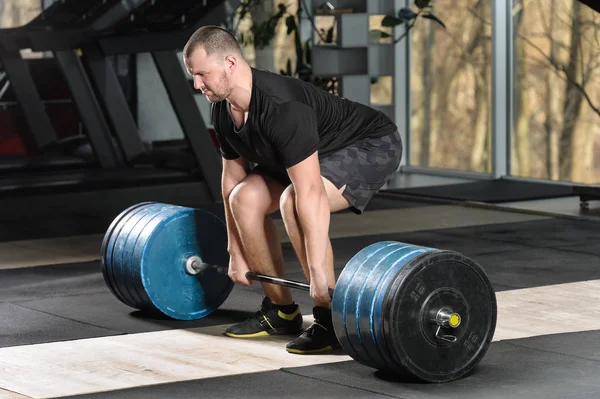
(145, 228)
(436, 280)
(122, 251)
(360, 295)
(128, 268)
(106, 250)
(380, 252)
(159, 257)
(110, 255)
(339, 299)
(370, 296)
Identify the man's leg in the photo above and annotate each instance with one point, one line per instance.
(252, 202)
(320, 335)
(360, 170)
(290, 218)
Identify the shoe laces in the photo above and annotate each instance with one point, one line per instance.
(262, 312)
(312, 329)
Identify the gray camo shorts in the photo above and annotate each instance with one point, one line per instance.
(363, 167)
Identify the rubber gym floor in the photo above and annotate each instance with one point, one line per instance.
(63, 333)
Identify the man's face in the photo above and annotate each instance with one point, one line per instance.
(211, 75)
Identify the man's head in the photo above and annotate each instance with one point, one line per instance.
(212, 55)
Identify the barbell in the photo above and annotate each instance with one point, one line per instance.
(397, 307)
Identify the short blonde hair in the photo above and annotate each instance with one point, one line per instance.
(214, 40)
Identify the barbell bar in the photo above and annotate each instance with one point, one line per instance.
(444, 317)
(396, 307)
(194, 266)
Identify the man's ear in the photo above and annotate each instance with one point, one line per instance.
(231, 62)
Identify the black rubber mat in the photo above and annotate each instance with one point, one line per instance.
(23, 326)
(384, 202)
(73, 300)
(492, 191)
(547, 233)
(510, 369)
(537, 267)
(583, 344)
(548, 367)
(349, 246)
(275, 384)
(105, 311)
(509, 264)
(583, 248)
(43, 282)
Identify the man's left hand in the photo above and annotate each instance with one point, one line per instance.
(319, 289)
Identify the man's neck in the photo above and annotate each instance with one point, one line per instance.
(241, 95)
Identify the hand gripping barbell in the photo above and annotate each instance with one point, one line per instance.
(396, 307)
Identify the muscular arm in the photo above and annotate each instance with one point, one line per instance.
(233, 172)
(295, 135)
(313, 212)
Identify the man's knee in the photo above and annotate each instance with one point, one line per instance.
(287, 203)
(245, 197)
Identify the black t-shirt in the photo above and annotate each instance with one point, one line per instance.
(289, 119)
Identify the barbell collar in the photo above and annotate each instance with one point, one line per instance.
(194, 265)
(445, 317)
(445, 337)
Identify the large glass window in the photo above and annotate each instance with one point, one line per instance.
(16, 13)
(450, 83)
(556, 101)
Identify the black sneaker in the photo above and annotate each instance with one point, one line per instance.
(269, 320)
(318, 337)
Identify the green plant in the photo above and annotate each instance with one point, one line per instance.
(407, 17)
(262, 34)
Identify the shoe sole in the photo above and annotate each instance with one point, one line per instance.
(262, 334)
(305, 352)
(254, 335)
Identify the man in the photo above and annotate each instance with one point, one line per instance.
(289, 146)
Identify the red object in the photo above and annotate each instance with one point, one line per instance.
(12, 146)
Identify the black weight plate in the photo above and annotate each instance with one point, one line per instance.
(427, 283)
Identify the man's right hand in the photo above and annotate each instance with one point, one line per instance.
(238, 267)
